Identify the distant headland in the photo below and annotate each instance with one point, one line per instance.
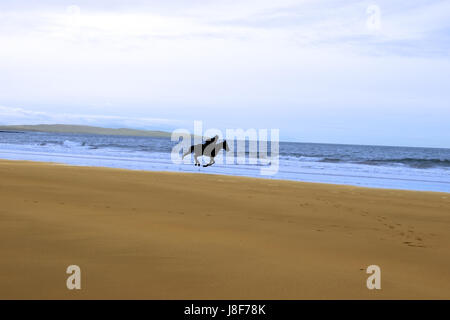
(64, 128)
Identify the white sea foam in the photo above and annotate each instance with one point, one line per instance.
(291, 168)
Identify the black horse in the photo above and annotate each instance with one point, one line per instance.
(207, 149)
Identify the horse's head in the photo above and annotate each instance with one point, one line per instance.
(225, 145)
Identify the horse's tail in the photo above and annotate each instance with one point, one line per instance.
(188, 152)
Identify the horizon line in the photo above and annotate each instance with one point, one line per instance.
(164, 131)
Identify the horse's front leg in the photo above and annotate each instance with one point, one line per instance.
(211, 162)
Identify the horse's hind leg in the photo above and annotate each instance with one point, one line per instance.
(197, 163)
(191, 149)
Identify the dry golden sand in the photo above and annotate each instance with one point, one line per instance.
(150, 235)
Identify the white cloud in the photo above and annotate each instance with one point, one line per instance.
(304, 23)
(20, 116)
(229, 61)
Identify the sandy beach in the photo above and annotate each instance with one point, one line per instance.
(154, 235)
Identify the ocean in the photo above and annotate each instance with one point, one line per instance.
(408, 168)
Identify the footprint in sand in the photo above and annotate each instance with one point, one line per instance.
(304, 205)
(412, 244)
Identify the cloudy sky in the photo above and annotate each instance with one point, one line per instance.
(364, 72)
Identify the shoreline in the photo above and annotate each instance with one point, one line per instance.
(247, 176)
(169, 235)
